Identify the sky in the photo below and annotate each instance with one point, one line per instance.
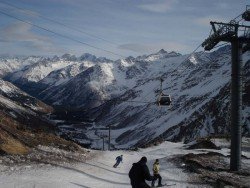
(109, 28)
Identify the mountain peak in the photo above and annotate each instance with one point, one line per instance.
(162, 51)
(87, 56)
(162, 54)
(69, 57)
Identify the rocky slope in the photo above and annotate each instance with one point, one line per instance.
(123, 93)
(24, 129)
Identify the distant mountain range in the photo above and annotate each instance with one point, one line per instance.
(123, 93)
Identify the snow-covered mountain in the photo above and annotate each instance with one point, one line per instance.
(124, 92)
(11, 64)
(95, 84)
(104, 79)
(200, 89)
(45, 72)
(162, 54)
(21, 107)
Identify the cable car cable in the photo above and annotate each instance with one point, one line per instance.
(64, 36)
(30, 12)
(61, 35)
(80, 41)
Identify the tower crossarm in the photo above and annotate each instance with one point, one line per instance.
(223, 32)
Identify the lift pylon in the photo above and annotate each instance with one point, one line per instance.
(238, 35)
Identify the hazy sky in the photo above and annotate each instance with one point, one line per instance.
(132, 27)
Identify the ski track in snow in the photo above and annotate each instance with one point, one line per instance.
(98, 171)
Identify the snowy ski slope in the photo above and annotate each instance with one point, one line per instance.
(98, 172)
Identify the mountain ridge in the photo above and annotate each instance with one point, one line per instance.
(197, 83)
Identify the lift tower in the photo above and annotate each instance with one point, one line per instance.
(239, 37)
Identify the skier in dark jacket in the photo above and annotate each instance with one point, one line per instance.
(139, 173)
(118, 160)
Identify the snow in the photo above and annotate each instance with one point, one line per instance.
(17, 100)
(193, 82)
(97, 171)
(13, 106)
(194, 85)
(193, 60)
(8, 88)
(12, 64)
(61, 76)
(39, 70)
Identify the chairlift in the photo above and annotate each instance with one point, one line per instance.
(163, 99)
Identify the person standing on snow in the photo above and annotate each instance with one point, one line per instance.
(139, 173)
(156, 169)
(118, 160)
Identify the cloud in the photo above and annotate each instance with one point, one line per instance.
(22, 33)
(161, 7)
(153, 47)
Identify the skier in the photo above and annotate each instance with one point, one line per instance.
(139, 173)
(156, 169)
(118, 160)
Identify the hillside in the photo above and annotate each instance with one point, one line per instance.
(23, 127)
(123, 93)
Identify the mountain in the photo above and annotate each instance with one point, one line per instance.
(15, 95)
(161, 55)
(38, 70)
(19, 114)
(98, 83)
(10, 64)
(123, 94)
(24, 128)
(201, 102)
(62, 75)
(45, 72)
(19, 105)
